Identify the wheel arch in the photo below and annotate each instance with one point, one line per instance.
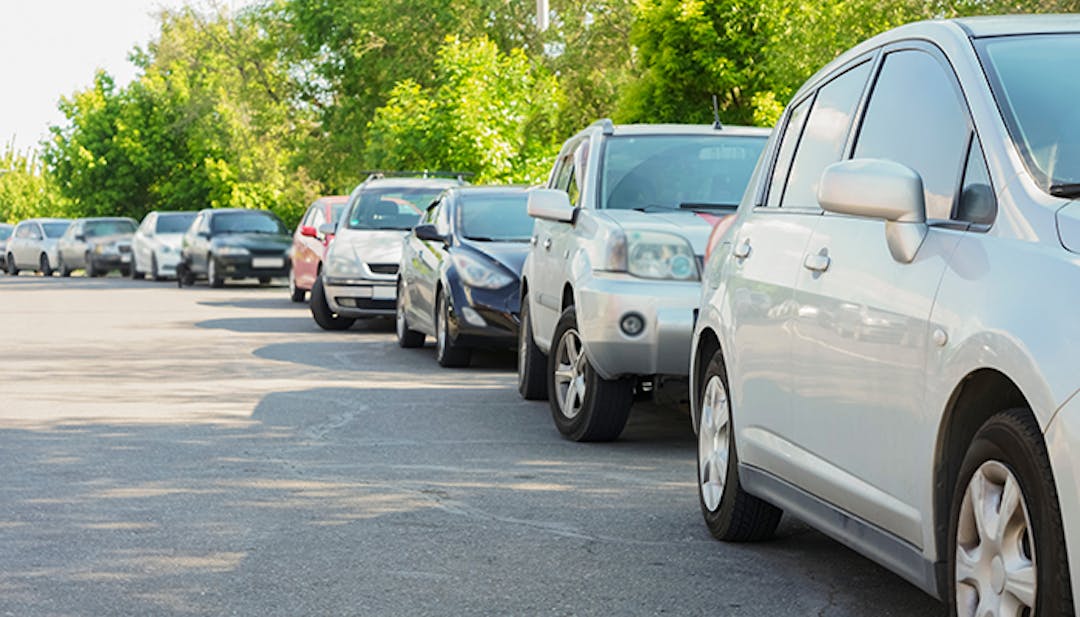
(707, 345)
(567, 297)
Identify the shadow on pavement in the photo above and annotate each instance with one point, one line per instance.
(278, 301)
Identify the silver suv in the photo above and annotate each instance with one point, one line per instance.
(612, 279)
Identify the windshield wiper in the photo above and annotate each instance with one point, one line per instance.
(707, 206)
(1068, 191)
(654, 208)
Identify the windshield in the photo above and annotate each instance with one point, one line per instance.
(495, 217)
(673, 171)
(174, 223)
(253, 222)
(55, 230)
(107, 228)
(5, 233)
(1030, 79)
(390, 208)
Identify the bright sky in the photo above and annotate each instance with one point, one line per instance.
(51, 48)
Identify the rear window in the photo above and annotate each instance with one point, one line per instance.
(174, 223)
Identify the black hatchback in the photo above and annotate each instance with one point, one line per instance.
(233, 244)
(460, 272)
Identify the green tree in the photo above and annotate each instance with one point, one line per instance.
(26, 189)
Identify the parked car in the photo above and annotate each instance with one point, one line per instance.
(611, 283)
(156, 245)
(460, 270)
(5, 233)
(886, 346)
(224, 244)
(309, 244)
(359, 276)
(97, 246)
(32, 246)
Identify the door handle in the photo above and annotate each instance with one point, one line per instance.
(742, 251)
(547, 244)
(817, 263)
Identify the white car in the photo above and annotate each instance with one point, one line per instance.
(32, 246)
(887, 346)
(611, 282)
(156, 245)
(359, 274)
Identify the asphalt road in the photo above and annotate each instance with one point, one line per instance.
(212, 452)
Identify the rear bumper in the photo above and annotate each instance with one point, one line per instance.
(241, 267)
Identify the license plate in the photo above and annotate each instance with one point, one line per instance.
(267, 262)
(384, 293)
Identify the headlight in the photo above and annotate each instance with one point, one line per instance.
(476, 273)
(232, 251)
(343, 266)
(657, 255)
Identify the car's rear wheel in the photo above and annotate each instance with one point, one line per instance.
(1007, 552)
(295, 293)
(532, 363)
(44, 266)
(448, 353)
(731, 514)
(406, 337)
(584, 405)
(214, 279)
(320, 310)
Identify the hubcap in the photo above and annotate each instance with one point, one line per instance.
(570, 385)
(713, 440)
(995, 556)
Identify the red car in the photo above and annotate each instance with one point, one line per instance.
(309, 244)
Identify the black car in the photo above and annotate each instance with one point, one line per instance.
(460, 272)
(233, 244)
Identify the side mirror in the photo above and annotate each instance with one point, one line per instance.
(879, 189)
(428, 233)
(551, 205)
(309, 232)
(327, 229)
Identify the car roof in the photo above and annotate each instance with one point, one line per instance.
(173, 212)
(435, 183)
(331, 200)
(1002, 25)
(46, 220)
(689, 129)
(105, 218)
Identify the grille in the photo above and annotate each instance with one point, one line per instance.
(383, 268)
(124, 248)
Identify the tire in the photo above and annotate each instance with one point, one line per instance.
(264, 280)
(212, 277)
(1007, 457)
(90, 270)
(133, 269)
(12, 267)
(295, 293)
(731, 514)
(407, 338)
(125, 272)
(600, 412)
(155, 273)
(448, 353)
(184, 275)
(43, 265)
(62, 267)
(320, 310)
(532, 363)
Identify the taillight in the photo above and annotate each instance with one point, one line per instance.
(717, 234)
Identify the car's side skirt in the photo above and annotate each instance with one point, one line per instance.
(900, 556)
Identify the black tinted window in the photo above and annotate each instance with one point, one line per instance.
(824, 137)
(977, 203)
(246, 222)
(495, 217)
(915, 118)
(108, 228)
(174, 223)
(390, 208)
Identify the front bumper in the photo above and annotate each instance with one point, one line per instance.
(166, 262)
(360, 297)
(110, 261)
(1063, 446)
(484, 317)
(667, 309)
(245, 266)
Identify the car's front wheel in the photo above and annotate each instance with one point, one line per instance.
(44, 266)
(133, 269)
(295, 293)
(91, 271)
(155, 273)
(212, 276)
(12, 268)
(406, 337)
(584, 405)
(448, 353)
(1007, 552)
(62, 267)
(532, 363)
(320, 310)
(732, 514)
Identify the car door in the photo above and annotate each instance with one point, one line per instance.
(29, 251)
(201, 244)
(65, 246)
(430, 255)
(143, 243)
(18, 239)
(767, 251)
(862, 331)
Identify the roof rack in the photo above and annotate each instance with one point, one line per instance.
(426, 173)
(606, 126)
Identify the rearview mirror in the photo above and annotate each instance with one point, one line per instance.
(309, 231)
(551, 205)
(428, 233)
(879, 189)
(327, 229)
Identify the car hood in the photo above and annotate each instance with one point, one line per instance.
(1068, 223)
(377, 246)
(264, 242)
(690, 225)
(510, 254)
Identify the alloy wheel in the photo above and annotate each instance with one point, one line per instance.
(995, 556)
(713, 440)
(570, 386)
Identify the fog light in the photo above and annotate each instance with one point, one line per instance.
(632, 324)
(472, 317)
(346, 302)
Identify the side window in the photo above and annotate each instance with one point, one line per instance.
(915, 117)
(977, 203)
(796, 120)
(20, 231)
(318, 217)
(442, 217)
(825, 136)
(35, 232)
(147, 227)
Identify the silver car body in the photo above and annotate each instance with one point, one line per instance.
(848, 365)
(29, 242)
(568, 264)
(5, 233)
(361, 265)
(151, 248)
